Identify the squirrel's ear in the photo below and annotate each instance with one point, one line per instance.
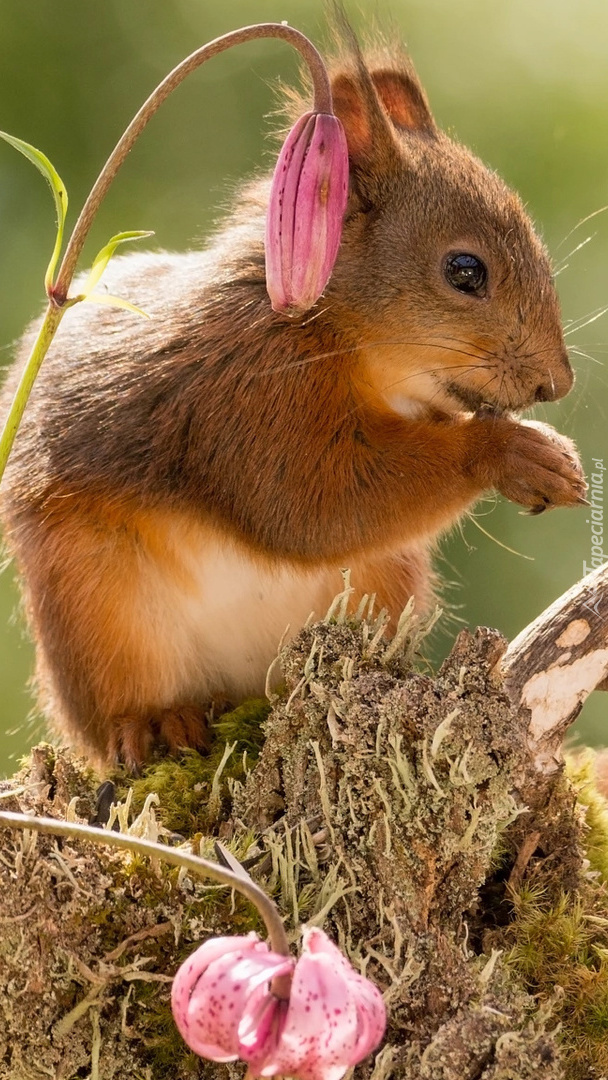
(372, 147)
(404, 100)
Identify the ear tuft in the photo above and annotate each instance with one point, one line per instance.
(404, 100)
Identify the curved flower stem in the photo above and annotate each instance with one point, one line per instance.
(58, 291)
(322, 103)
(194, 863)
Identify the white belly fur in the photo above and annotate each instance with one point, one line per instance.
(219, 622)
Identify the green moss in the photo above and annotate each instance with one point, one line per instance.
(166, 1048)
(559, 947)
(150, 1011)
(245, 724)
(561, 952)
(184, 784)
(581, 771)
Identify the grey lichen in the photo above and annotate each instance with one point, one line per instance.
(410, 782)
(90, 939)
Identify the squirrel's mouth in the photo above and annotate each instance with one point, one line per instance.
(472, 400)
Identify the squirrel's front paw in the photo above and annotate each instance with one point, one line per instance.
(540, 469)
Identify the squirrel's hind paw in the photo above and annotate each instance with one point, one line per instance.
(133, 738)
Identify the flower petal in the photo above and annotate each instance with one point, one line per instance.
(307, 203)
(369, 1003)
(321, 202)
(371, 1017)
(321, 1027)
(315, 940)
(191, 970)
(260, 1028)
(212, 989)
(279, 221)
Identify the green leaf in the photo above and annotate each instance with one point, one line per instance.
(103, 257)
(58, 189)
(114, 301)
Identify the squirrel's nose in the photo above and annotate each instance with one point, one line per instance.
(558, 383)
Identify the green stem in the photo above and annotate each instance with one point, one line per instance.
(194, 863)
(46, 333)
(58, 292)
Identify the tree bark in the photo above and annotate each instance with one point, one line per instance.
(552, 666)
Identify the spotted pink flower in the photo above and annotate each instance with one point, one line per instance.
(336, 1017)
(221, 1001)
(307, 204)
(225, 1009)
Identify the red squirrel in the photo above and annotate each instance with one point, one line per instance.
(182, 490)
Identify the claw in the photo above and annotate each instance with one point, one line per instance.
(534, 511)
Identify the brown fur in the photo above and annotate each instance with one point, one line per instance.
(224, 435)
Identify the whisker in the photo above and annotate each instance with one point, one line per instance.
(463, 341)
(587, 356)
(472, 517)
(582, 222)
(415, 374)
(430, 371)
(443, 388)
(315, 315)
(581, 325)
(563, 265)
(502, 383)
(523, 343)
(489, 383)
(359, 348)
(552, 381)
(535, 355)
(568, 325)
(464, 352)
(533, 358)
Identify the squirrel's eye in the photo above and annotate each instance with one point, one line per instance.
(466, 273)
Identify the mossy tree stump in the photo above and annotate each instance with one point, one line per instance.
(426, 822)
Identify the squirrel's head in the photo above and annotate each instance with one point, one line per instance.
(440, 273)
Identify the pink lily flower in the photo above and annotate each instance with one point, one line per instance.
(307, 203)
(225, 1009)
(220, 989)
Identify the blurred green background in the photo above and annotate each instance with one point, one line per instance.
(524, 84)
